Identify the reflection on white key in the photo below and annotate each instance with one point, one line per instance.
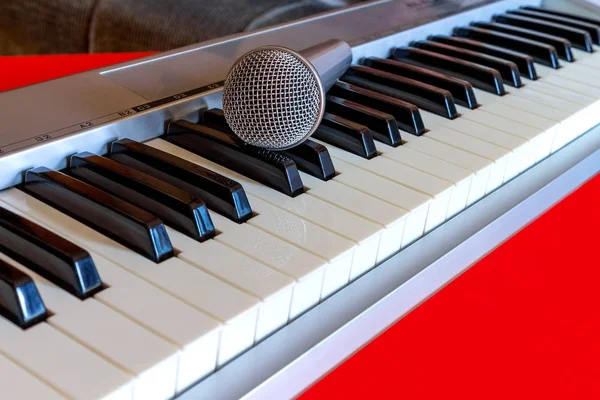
(18, 384)
(498, 155)
(235, 309)
(438, 190)
(240, 271)
(338, 252)
(481, 125)
(63, 363)
(195, 333)
(471, 162)
(577, 107)
(391, 219)
(364, 233)
(415, 203)
(460, 177)
(127, 345)
(441, 131)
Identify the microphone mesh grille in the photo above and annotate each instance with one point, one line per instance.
(272, 99)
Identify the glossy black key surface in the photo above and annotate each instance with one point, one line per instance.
(20, 300)
(524, 61)
(313, 158)
(588, 19)
(592, 29)
(542, 53)
(579, 38)
(427, 97)
(53, 257)
(481, 77)
(347, 135)
(310, 157)
(461, 90)
(221, 194)
(268, 167)
(407, 116)
(125, 223)
(562, 45)
(382, 126)
(508, 69)
(177, 208)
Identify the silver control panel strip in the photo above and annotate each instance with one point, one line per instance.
(43, 124)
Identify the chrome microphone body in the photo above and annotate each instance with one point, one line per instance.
(274, 97)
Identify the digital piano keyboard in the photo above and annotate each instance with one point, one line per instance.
(143, 255)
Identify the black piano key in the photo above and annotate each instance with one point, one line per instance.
(542, 53)
(579, 38)
(177, 208)
(461, 90)
(481, 77)
(221, 194)
(524, 61)
(268, 167)
(53, 257)
(347, 135)
(125, 223)
(562, 45)
(591, 28)
(508, 69)
(310, 157)
(313, 158)
(20, 300)
(427, 97)
(407, 116)
(588, 19)
(382, 126)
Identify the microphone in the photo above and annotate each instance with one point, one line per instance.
(274, 97)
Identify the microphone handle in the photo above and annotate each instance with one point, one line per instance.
(330, 59)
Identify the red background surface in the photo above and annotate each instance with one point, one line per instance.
(523, 323)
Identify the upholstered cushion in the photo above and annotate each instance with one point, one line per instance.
(81, 26)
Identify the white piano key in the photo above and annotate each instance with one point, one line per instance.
(587, 58)
(471, 162)
(582, 111)
(235, 309)
(391, 219)
(555, 102)
(581, 74)
(318, 277)
(492, 128)
(152, 360)
(308, 269)
(592, 61)
(571, 123)
(439, 190)
(63, 363)
(363, 232)
(459, 176)
(196, 334)
(240, 271)
(313, 283)
(568, 83)
(553, 91)
(496, 154)
(415, 203)
(18, 384)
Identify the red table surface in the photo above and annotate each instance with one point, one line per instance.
(524, 322)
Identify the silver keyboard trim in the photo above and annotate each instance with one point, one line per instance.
(295, 357)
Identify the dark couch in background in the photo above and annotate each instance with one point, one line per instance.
(98, 26)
